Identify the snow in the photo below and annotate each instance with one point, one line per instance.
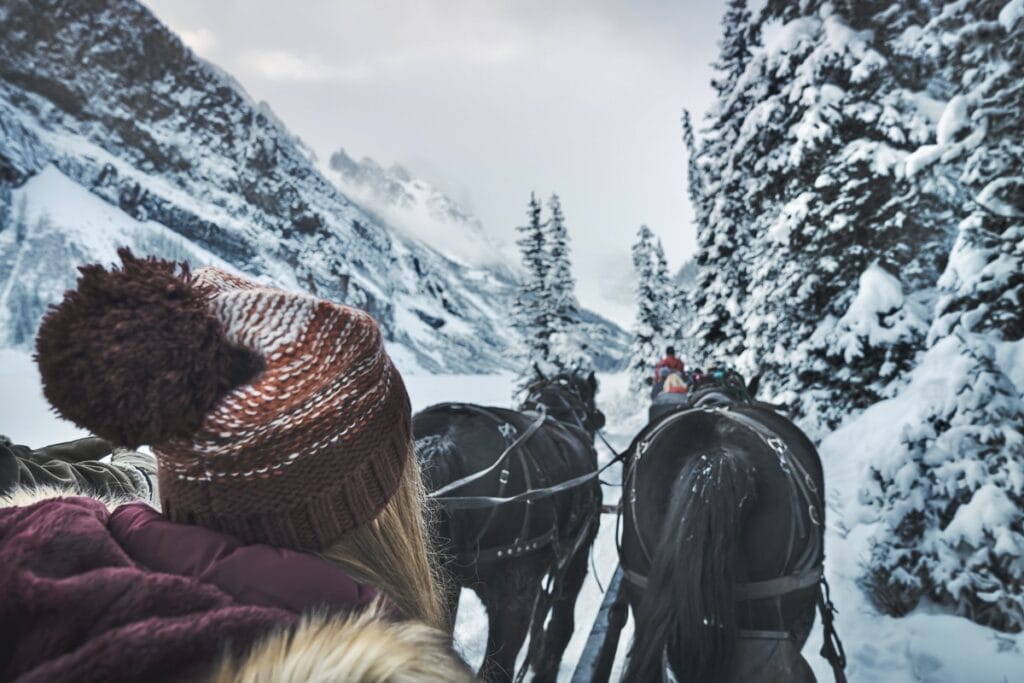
(922, 157)
(989, 510)
(419, 211)
(86, 219)
(953, 120)
(870, 317)
(990, 198)
(1011, 13)
(793, 215)
(789, 36)
(927, 645)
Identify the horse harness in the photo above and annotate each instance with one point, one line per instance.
(808, 570)
(515, 443)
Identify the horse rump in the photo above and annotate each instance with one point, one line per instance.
(686, 617)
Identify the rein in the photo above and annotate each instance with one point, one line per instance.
(475, 502)
(478, 502)
(459, 483)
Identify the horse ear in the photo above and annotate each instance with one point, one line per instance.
(540, 375)
(592, 381)
(754, 384)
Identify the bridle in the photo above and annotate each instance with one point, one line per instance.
(561, 397)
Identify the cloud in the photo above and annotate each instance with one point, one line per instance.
(201, 40)
(282, 65)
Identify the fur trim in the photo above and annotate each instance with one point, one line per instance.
(24, 496)
(358, 648)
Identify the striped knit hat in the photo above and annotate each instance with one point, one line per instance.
(274, 416)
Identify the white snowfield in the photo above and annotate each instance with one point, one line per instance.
(930, 645)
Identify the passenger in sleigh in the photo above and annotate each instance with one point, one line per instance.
(675, 395)
(669, 364)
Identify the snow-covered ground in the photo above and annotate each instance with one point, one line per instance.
(929, 645)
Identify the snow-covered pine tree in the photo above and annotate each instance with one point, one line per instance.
(568, 347)
(532, 314)
(654, 309)
(951, 495)
(723, 213)
(694, 177)
(818, 162)
(951, 499)
(734, 48)
(981, 135)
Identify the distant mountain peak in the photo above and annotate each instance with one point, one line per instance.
(419, 210)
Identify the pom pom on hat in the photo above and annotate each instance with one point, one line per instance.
(133, 354)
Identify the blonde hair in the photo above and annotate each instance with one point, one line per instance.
(674, 381)
(394, 552)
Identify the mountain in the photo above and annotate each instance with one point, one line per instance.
(112, 133)
(419, 210)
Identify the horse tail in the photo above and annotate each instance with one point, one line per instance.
(687, 616)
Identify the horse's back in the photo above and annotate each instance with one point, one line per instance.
(456, 440)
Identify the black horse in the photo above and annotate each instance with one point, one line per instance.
(502, 549)
(722, 546)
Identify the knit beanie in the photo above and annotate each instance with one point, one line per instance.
(275, 417)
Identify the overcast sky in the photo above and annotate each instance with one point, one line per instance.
(490, 100)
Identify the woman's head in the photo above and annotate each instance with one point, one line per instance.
(675, 383)
(275, 417)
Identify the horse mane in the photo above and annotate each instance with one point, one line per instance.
(434, 446)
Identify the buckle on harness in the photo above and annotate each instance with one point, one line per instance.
(777, 445)
(503, 477)
(812, 512)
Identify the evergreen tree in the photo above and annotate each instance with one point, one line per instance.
(654, 309)
(568, 348)
(982, 132)
(532, 313)
(723, 210)
(951, 498)
(738, 38)
(809, 194)
(694, 180)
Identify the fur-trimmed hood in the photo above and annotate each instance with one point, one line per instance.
(361, 648)
(266, 643)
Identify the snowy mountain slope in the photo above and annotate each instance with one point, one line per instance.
(100, 94)
(422, 212)
(418, 210)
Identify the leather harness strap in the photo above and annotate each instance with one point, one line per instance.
(518, 547)
(504, 552)
(783, 585)
(810, 570)
(459, 483)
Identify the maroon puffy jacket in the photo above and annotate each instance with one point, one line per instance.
(93, 595)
